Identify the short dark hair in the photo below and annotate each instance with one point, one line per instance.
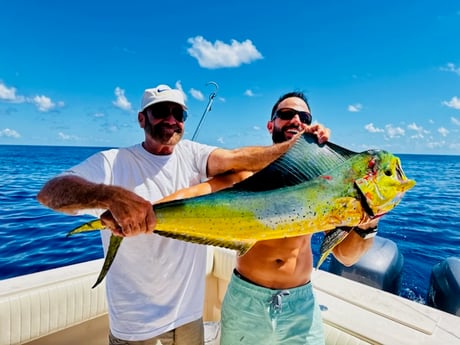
(298, 94)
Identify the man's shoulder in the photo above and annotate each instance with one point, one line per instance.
(120, 152)
(186, 144)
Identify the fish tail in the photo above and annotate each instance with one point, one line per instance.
(330, 241)
(115, 242)
(89, 226)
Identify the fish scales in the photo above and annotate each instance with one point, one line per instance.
(310, 189)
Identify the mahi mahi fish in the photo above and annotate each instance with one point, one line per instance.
(312, 188)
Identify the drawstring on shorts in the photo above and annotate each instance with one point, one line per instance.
(276, 301)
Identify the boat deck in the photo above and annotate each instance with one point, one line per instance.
(59, 307)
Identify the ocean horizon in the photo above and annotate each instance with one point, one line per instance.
(100, 148)
(425, 225)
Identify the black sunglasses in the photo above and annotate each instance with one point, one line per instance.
(163, 110)
(288, 114)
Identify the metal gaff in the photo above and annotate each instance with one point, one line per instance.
(207, 109)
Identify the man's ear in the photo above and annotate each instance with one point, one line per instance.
(141, 119)
(270, 126)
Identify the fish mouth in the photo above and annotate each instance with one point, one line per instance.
(380, 193)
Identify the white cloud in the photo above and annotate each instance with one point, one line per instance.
(9, 94)
(354, 108)
(455, 121)
(443, 131)
(249, 93)
(220, 140)
(197, 94)
(436, 144)
(111, 128)
(64, 136)
(43, 103)
(420, 131)
(453, 103)
(67, 137)
(121, 101)
(11, 133)
(219, 54)
(370, 128)
(450, 67)
(394, 132)
(178, 86)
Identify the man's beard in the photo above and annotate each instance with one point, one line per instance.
(279, 134)
(163, 133)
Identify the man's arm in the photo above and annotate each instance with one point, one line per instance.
(353, 247)
(250, 158)
(214, 184)
(131, 214)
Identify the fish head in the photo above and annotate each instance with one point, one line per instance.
(384, 182)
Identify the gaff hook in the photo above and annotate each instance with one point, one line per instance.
(212, 95)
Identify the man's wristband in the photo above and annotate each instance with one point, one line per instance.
(367, 233)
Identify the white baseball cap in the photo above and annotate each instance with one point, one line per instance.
(162, 93)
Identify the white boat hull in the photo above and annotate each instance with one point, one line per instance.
(59, 307)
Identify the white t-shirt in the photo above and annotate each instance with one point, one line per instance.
(155, 283)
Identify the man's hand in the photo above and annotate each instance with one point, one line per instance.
(370, 224)
(322, 133)
(129, 215)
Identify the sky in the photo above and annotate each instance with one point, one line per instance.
(379, 74)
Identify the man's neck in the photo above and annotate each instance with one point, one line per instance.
(157, 149)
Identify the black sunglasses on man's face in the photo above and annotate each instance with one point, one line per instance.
(288, 114)
(163, 110)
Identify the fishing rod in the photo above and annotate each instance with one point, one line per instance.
(207, 109)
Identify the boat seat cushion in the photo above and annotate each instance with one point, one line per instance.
(43, 303)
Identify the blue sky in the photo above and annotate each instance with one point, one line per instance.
(379, 74)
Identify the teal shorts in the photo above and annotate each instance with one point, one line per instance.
(252, 315)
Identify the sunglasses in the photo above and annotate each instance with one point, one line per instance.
(163, 110)
(288, 114)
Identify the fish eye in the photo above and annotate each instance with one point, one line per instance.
(388, 172)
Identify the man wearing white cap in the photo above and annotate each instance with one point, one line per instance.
(155, 287)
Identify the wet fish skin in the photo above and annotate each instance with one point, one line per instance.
(364, 186)
(382, 189)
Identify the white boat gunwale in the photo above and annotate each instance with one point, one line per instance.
(58, 306)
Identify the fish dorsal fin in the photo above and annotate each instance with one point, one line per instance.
(304, 161)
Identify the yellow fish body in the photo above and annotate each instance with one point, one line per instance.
(312, 189)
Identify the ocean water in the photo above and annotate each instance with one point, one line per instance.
(425, 225)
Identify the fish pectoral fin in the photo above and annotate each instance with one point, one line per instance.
(89, 226)
(241, 246)
(115, 242)
(330, 241)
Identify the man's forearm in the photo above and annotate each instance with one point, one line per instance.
(256, 158)
(349, 251)
(250, 158)
(71, 193)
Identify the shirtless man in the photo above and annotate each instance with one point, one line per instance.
(270, 299)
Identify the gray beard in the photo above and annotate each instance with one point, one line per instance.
(160, 135)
